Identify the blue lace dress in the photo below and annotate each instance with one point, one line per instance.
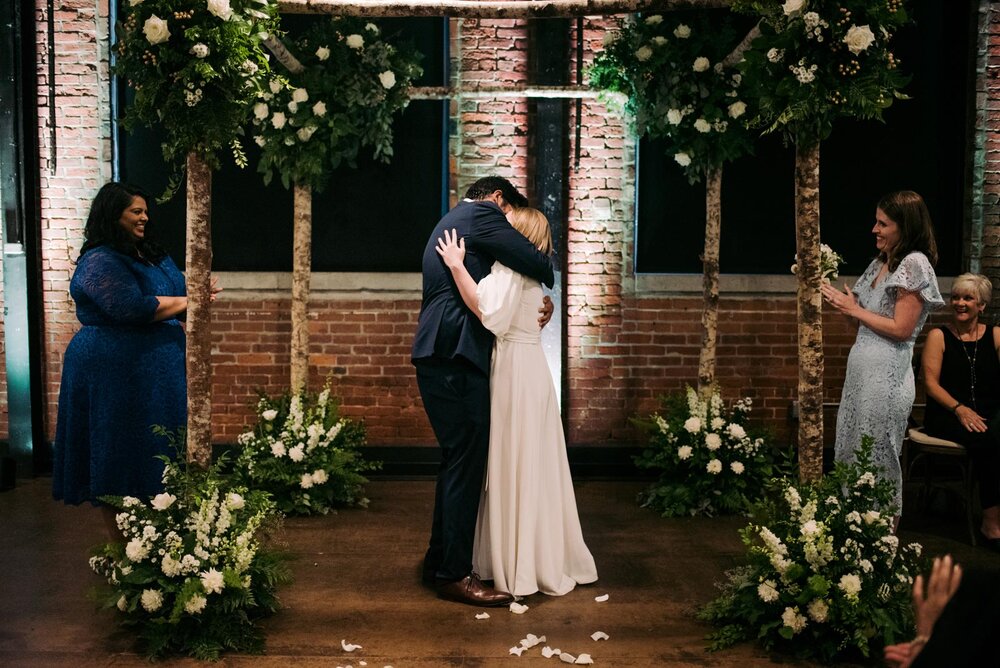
(878, 390)
(122, 373)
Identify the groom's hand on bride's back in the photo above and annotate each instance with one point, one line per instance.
(546, 312)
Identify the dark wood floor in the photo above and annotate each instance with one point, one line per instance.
(357, 579)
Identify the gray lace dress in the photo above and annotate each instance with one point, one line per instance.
(878, 390)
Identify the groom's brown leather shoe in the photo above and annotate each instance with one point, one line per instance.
(472, 591)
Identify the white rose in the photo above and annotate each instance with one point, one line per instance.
(306, 481)
(683, 159)
(714, 467)
(322, 53)
(274, 85)
(371, 27)
(293, 106)
(304, 134)
(659, 40)
(270, 413)
(701, 125)
(674, 116)
(792, 6)
(155, 29)
(713, 441)
(151, 600)
(643, 53)
(260, 141)
(278, 120)
(684, 452)
(297, 453)
(654, 19)
(300, 95)
(355, 41)
(199, 50)
(260, 112)
(682, 31)
(319, 109)
(859, 38)
(692, 424)
(737, 467)
(163, 501)
(737, 109)
(701, 64)
(235, 501)
(220, 8)
(388, 79)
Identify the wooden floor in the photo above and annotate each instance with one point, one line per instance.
(357, 579)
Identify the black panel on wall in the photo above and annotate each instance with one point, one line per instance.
(373, 218)
(921, 147)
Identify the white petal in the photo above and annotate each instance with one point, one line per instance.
(599, 635)
(516, 651)
(548, 652)
(566, 657)
(517, 608)
(531, 640)
(348, 647)
(362, 663)
(483, 615)
(602, 598)
(584, 658)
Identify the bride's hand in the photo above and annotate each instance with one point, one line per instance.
(451, 248)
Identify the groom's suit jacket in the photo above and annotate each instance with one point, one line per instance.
(447, 328)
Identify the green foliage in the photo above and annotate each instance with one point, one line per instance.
(354, 80)
(710, 464)
(817, 60)
(304, 454)
(824, 575)
(192, 573)
(677, 88)
(195, 68)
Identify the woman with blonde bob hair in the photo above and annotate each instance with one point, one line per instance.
(961, 367)
(528, 535)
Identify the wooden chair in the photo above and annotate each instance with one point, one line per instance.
(937, 453)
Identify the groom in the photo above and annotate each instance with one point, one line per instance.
(451, 352)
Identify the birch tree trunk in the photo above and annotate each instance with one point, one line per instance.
(810, 312)
(301, 267)
(710, 264)
(198, 275)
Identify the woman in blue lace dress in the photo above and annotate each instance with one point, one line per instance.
(124, 370)
(889, 304)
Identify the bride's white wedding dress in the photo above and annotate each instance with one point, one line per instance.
(528, 536)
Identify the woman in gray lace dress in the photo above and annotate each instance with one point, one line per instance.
(889, 304)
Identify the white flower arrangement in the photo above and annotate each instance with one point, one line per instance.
(710, 463)
(304, 454)
(822, 571)
(191, 572)
(829, 264)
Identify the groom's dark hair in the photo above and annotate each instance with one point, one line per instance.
(487, 185)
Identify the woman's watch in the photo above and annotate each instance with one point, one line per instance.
(955, 407)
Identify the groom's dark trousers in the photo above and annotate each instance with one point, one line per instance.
(451, 352)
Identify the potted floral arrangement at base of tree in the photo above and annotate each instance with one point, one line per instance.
(825, 577)
(304, 454)
(193, 573)
(710, 464)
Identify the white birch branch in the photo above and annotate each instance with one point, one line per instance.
(489, 8)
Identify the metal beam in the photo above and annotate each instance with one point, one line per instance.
(504, 92)
(489, 8)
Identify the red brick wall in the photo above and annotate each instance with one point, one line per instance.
(626, 345)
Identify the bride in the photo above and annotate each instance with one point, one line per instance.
(528, 535)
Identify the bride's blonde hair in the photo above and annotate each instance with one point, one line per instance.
(533, 224)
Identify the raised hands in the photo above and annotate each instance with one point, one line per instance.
(451, 248)
(845, 301)
(942, 583)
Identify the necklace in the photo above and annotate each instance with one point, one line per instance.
(972, 365)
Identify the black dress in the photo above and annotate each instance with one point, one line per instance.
(957, 379)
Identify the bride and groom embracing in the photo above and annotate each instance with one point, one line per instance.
(504, 507)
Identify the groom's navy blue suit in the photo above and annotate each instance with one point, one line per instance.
(452, 354)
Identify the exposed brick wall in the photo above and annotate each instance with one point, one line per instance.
(626, 347)
(988, 100)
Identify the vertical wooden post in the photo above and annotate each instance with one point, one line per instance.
(301, 267)
(710, 277)
(198, 274)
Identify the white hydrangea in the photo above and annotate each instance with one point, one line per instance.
(818, 610)
(793, 619)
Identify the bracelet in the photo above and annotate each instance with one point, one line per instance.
(955, 407)
(920, 640)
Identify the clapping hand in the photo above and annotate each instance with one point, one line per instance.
(214, 290)
(941, 586)
(451, 248)
(845, 301)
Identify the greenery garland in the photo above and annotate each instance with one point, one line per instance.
(677, 87)
(353, 81)
(817, 60)
(195, 68)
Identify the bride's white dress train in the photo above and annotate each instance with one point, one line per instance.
(528, 536)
